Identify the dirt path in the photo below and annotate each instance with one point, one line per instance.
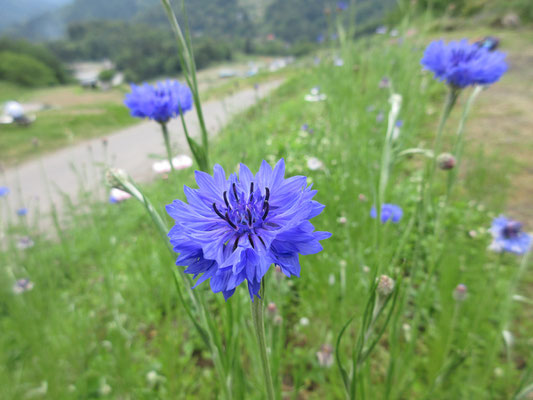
(503, 122)
(68, 169)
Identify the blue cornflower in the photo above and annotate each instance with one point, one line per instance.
(4, 191)
(233, 229)
(390, 212)
(508, 236)
(161, 102)
(22, 211)
(399, 123)
(342, 5)
(462, 64)
(320, 38)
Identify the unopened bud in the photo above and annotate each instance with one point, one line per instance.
(446, 161)
(272, 308)
(460, 293)
(116, 177)
(385, 285)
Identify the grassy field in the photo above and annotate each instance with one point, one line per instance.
(103, 319)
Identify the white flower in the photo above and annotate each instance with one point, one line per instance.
(179, 162)
(314, 164)
(304, 321)
(117, 195)
(315, 95)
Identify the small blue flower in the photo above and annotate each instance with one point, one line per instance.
(21, 212)
(508, 236)
(165, 100)
(4, 191)
(320, 38)
(342, 5)
(462, 64)
(399, 123)
(390, 212)
(233, 229)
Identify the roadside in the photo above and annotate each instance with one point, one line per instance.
(66, 115)
(62, 177)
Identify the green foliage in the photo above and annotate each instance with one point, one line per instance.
(106, 75)
(25, 70)
(139, 50)
(37, 52)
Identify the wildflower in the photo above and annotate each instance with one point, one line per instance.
(22, 285)
(342, 220)
(388, 212)
(4, 191)
(315, 95)
(394, 33)
(380, 117)
(179, 162)
(165, 100)
(24, 243)
(331, 279)
(381, 30)
(508, 236)
(384, 83)
(462, 64)
(21, 212)
(320, 38)
(325, 356)
(305, 127)
(460, 293)
(339, 62)
(272, 308)
(233, 229)
(304, 321)
(342, 6)
(314, 164)
(117, 196)
(446, 161)
(385, 285)
(362, 198)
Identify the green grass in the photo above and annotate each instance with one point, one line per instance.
(104, 310)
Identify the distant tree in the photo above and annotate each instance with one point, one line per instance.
(25, 70)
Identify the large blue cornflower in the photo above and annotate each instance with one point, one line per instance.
(508, 236)
(389, 212)
(161, 102)
(233, 229)
(462, 64)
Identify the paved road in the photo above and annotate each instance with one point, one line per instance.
(68, 169)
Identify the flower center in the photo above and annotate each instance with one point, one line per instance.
(511, 229)
(244, 212)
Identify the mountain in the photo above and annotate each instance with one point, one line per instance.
(17, 11)
(290, 20)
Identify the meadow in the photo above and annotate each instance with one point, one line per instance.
(103, 318)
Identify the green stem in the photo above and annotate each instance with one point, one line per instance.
(167, 144)
(259, 326)
(451, 99)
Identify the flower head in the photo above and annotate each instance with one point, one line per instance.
(390, 212)
(182, 161)
(4, 191)
(508, 236)
(446, 161)
(21, 212)
(460, 292)
(118, 196)
(22, 285)
(165, 100)
(232, 229)
(462, 64)
(342, 5)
